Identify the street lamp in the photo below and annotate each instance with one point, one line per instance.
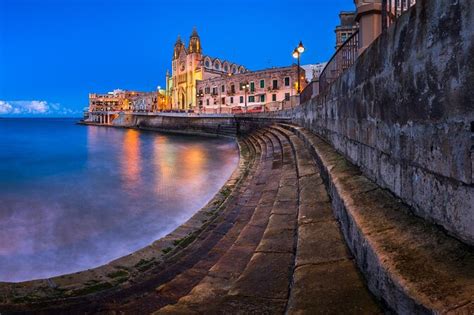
(246, 86)
(297, 55)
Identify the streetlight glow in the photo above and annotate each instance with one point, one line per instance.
(295, 54)
(300, 48)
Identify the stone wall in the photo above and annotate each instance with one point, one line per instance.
(404, 113)
(180, 123)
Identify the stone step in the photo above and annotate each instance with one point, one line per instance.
(230, 265)
(264, 284)
(204, 297)
(412, 265)
(326, 279)
(193, 263)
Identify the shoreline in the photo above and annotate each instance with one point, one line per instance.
(161, 130)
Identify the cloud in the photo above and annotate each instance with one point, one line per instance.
(5, 108)
(34, 107)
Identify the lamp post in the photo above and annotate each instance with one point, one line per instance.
(297, 55)
(246, 89)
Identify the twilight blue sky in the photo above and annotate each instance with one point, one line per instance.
(54, 52)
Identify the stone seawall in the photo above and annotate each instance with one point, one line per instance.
(224, 125)
(404, 113)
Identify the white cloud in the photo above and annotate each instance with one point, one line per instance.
(34, 107)
(5, 108)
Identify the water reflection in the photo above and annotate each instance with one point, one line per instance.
(102, 193)
(131, 159)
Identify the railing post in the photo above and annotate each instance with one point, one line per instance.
(369, 16)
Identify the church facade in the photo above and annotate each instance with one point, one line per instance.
(190, 65)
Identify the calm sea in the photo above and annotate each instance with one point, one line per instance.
(75, 197)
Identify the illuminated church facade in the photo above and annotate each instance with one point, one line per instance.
(189, 66)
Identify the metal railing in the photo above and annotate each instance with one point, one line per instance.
(392, 9)
(340, 61)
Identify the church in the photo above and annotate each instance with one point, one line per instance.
(189, 65)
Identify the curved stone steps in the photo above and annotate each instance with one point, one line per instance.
(237, 256)
(191, 264)
(412, 265)
(325, 278)
(220, 291)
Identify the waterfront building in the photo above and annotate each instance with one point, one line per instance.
(120, 100)
(264, 90)
(145, 102)
(190, 65)
(202, 83)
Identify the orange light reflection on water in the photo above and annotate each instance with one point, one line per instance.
(130, 160)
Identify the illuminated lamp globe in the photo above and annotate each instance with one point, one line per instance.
(300, 48)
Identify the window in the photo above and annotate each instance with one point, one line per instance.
(252, 86)
(214, 90)
(223, 88)
(223, 100)
(207, 90)
(232, 88)
(241, 99)
(232, 100)
(251, 99)
(287, 81)
(275, 84)
(287, 96)
(226, 68)
(217, 66)
(207, 63)
(274, 97)
(262, 98)
(207, 102)
(262, 84)
(344, 37)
